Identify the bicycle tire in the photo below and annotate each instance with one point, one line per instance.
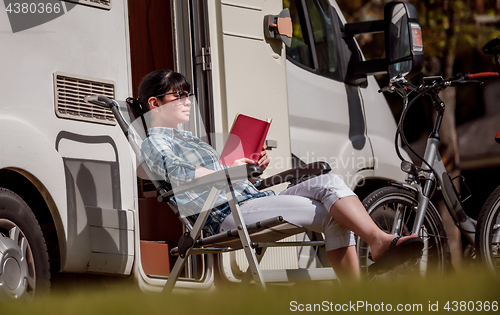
(381, 205)
(488, 232)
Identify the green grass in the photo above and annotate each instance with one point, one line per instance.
(468, 285)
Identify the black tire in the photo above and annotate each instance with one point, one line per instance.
(488, 232)
(24, 261)
(382, 205)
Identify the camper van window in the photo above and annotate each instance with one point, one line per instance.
(299, 51)
(324, 37)
(314, 42)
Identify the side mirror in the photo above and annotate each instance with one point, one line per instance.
(403, 40)
(404, 53)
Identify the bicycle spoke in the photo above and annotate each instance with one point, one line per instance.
(404, 215)
(408, 217)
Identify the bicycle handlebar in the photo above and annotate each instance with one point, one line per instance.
(431, 86)
(436, 83)
(481, 75)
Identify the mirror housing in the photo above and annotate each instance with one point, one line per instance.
(403, 40)
(404, 54)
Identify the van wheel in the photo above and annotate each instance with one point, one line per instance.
(24, 262)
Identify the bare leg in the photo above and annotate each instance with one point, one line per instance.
(345, 263)
(350, 213)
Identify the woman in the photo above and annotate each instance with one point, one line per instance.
(322, 204)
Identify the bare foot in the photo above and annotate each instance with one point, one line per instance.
(380, 247)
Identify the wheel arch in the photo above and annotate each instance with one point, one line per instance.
(367, 185)
(34, 193)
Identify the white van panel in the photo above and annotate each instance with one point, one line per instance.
(238, 22)
(78, 43)
(322, 120)
(254, 81)
(381, 127)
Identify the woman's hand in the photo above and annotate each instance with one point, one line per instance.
(242, 161)
(264, 158)
(263, 162)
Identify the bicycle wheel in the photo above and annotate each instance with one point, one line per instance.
(488, 232)
(383, 205)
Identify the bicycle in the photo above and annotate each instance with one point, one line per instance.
(405, 208)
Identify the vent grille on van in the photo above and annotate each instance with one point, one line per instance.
(69, 94)
(103, 4)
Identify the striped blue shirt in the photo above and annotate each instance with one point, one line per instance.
(174, 155)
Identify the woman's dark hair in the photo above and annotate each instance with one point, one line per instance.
(156, 83)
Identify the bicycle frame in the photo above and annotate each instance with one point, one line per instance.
(466, 224)
(452, 201)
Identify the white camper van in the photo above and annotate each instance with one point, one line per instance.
(71, 200)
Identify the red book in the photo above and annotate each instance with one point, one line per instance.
(245, 140)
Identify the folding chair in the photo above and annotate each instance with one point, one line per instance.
(252, 238)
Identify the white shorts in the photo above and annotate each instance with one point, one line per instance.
(307, 205)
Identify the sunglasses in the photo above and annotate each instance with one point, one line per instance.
(180, 94)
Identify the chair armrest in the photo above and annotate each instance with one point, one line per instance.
(296, 175)
(221, 178)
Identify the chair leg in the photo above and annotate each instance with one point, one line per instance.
(245, 241)
(248, 274)
(174, 274)
(194, 234)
